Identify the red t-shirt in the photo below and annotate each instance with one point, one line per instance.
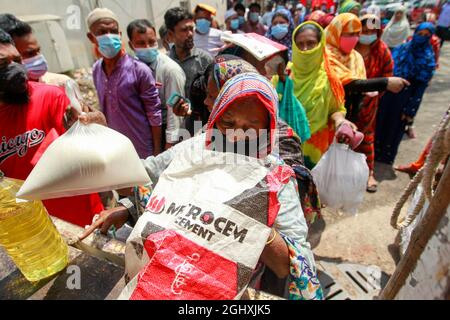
(23, 129)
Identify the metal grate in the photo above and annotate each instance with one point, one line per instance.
(345, 281)
(331, 289)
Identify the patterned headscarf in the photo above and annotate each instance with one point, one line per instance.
(229, 66)
(316, 15)
(348, 67)
(349, 5)
(243, 86)
(416, 60)
(287, 40)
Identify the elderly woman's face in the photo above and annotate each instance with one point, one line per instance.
(243, 115)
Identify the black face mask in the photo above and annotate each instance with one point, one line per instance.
(13, 84)
(255, 148)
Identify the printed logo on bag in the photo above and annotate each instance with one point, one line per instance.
(20, 144)
(201, 222)
(156, 206)
(183, 273)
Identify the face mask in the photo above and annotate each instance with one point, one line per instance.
(234, 24)
(368, 39)
(254, 17)
(13, 84)
(109, 45)
(419, 39)
(280, 8)
(147, 55)
(241, 20)
(249, 148)
(347, 44)
(280, 31)
(36, 67)
(203, 26)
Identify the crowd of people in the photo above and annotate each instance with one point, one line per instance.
(343, 76)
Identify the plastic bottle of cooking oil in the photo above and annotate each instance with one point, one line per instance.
(28, 234)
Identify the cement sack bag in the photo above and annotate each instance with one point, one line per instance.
(203, 230)
(86, 159)
(341, 177)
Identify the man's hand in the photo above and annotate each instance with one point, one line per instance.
(182, 109)
(113, 217)
(92, 116)
(88, 116)
(396, 84)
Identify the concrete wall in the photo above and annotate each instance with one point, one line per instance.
(74, 12)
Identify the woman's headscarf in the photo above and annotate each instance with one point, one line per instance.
(326, 20)
(315, 84)
(287, 40)
(397, 33)
(415, 59)
(348, 67)
(379, 51)
(316, 15)
(243, 86)
(349, 5)
(229, 66)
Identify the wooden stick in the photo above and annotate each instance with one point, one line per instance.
(420, 237)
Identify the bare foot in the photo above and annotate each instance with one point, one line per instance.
(411, 133)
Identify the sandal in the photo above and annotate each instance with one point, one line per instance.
(372, 188)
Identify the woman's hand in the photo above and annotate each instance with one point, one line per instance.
(342, 136)
(113, 217)
(276, 255)
(396, 84)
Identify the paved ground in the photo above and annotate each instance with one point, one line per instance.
(368, 237)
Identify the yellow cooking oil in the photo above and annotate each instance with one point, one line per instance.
(28, 235)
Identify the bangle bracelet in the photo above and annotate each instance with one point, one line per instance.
(273, 238)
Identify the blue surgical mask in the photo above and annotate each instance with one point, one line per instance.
(147, 55)
(254, 17)
(241, 20)
(280, 8)
(109, 45)
(203, 26)
(234, 24)
(280, 31)
(367, 39)
(36, 67)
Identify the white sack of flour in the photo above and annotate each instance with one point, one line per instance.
(86, 159)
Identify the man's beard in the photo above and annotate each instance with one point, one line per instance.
(15, 98)
(189, 44)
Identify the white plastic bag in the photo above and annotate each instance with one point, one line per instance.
(86, 159)
(74, 94)
(341, 177)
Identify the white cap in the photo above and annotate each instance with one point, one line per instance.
(98, 14)
(229, 14)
